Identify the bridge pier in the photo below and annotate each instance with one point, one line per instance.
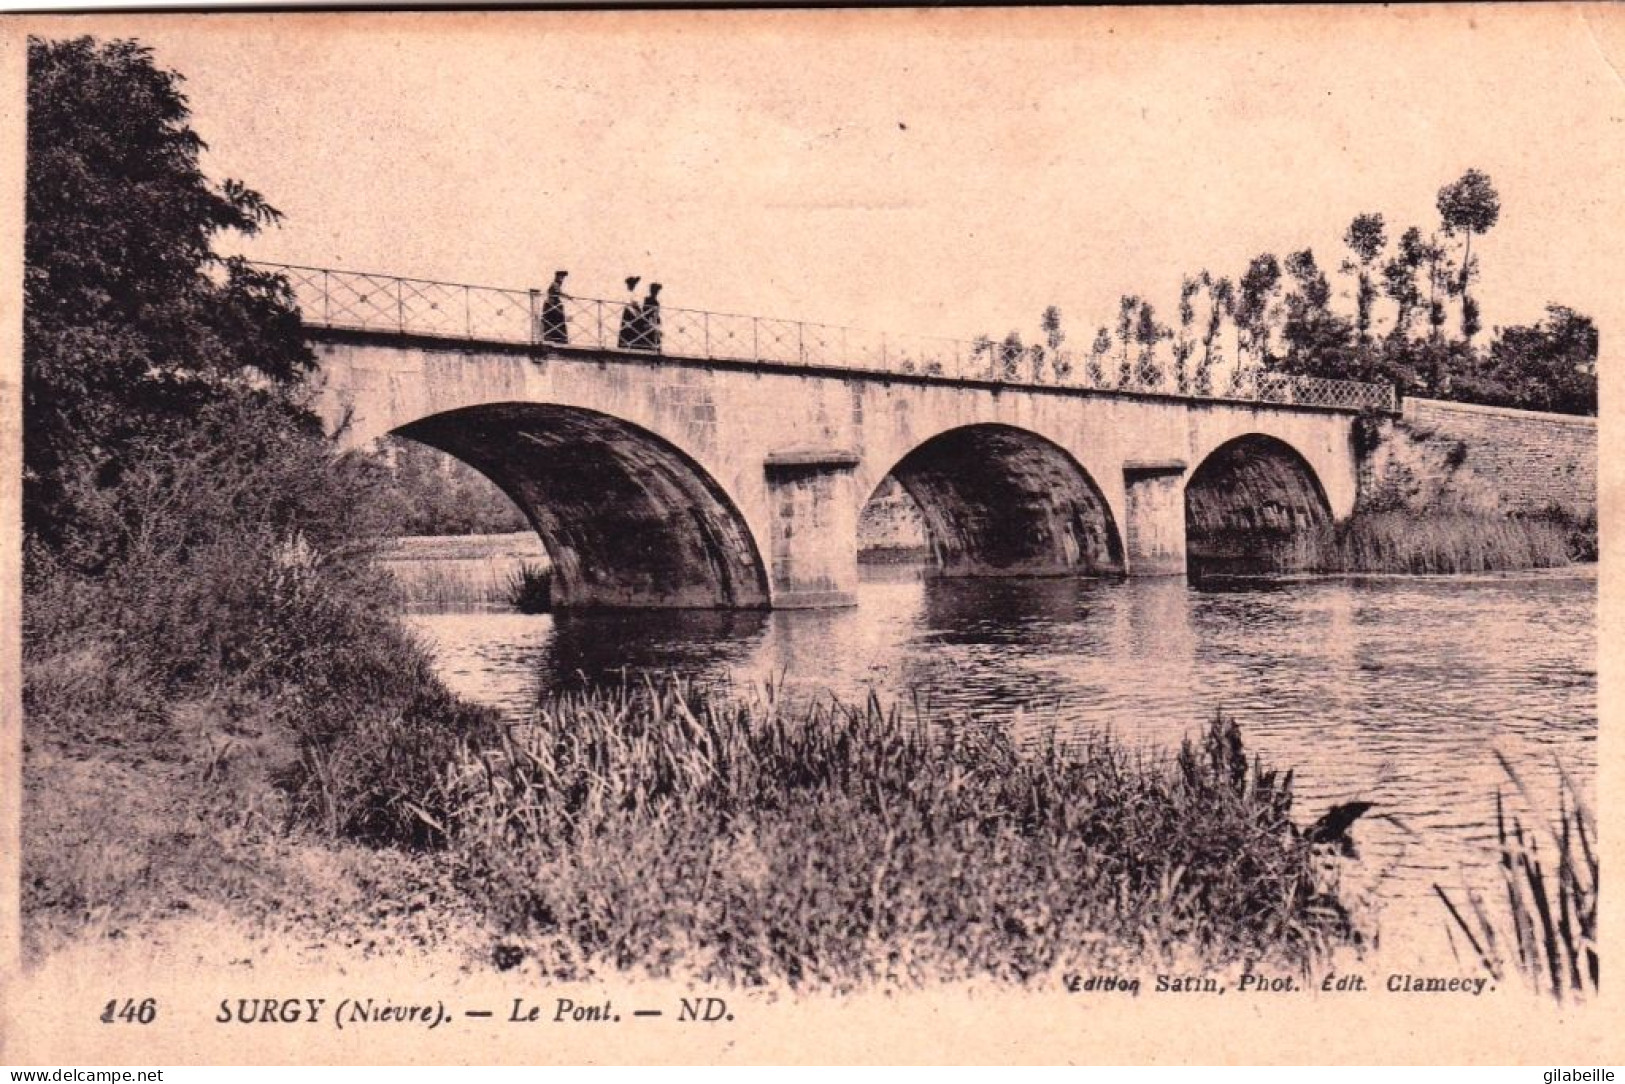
(1154, 541)
(812, 497)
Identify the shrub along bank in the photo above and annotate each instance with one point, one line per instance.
(218, 678)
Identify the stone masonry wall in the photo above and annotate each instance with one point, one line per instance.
(1517, 460)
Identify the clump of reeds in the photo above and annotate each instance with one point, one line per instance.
(1579, 527)
(750, 840)
(1431, 542)
(530, 589)
(1548, 926)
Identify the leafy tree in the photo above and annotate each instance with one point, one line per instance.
(131, 324)
(1551, 365)
(1221, 303)
(1184, 340)
(1467, 207)
(1098, 350)
(1011, 351)
(1054, 337)
(1441, 277)
(1147, 334)
(429, 492)
(1366, 238)
(1255, 296)
(1471, 324)
(1037, 356)
(1128, 307)
(1546, 366)
(1317, 339)
(982, 347)
(1399, 281)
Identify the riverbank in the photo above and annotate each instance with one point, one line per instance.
(670, 832)
(747, 841)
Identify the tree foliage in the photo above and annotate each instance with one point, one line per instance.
(1128, 308)
(1467, 207)
(427, 492)
(1399, 280)
(1099, 349)
(1148, 332)
(1366, 237)
(132, 324)
(1054, 338)
(1283, 315)
(1551, 365)
(1252, 313)
(1318, 341)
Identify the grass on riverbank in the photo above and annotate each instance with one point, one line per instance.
(833, 846)
(660, 831)
(1403, 542)
(1436, 542)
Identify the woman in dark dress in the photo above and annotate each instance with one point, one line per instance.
(554, 327)
(651, 319)
(631, 317)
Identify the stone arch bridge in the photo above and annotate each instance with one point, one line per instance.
(729, 471)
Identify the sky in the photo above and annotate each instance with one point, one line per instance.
(946, 172)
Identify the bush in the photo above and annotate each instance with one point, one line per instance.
(202, 623)
(238, 572)
(530, 589)
(1580, 530)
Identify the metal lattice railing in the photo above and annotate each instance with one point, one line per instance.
(368, 302)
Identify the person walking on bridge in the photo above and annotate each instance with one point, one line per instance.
(554, 327)
(631, 317)
(650, 318)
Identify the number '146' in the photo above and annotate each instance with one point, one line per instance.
(128, 1011)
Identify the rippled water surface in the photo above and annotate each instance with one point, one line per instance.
(1398, 691)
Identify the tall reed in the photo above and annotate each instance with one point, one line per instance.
(1547, 928)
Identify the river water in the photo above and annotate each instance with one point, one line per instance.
(1394, 690)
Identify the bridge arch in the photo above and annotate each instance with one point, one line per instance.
(627, 517)
(1001, 500)
(1246, 503)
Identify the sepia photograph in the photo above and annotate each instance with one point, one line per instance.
(884, 535)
